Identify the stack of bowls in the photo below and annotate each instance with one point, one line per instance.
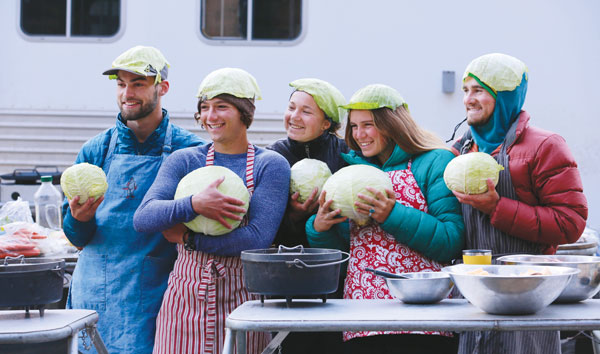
(581, 287)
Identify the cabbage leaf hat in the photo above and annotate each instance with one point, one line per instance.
(376, 96)
(328, 98)
(140, 60)
(505, 78)
(500, 72)
(232, 81)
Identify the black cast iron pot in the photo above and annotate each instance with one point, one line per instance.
(31, 282)
(292, 272)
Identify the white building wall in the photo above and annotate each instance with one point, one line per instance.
(403, 43)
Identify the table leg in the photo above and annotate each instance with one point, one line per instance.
(275, 342)
(96, 339)
(240, 338)
(229, 341)
(72, 344)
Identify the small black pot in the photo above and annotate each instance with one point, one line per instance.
(31, 281)
(292, 272)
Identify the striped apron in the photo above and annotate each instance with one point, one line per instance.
(203, 290)
(481, 234)
(371, 246)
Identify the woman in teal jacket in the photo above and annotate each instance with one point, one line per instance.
(415, 227)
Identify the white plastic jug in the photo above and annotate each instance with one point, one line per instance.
(48, 201)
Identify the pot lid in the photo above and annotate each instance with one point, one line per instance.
(289, 254)
(20, 264)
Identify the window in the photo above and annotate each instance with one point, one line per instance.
(251, 20)
(70, 18)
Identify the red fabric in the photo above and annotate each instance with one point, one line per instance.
(371, 246)
(551, 208)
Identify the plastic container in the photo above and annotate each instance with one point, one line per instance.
(48, 201)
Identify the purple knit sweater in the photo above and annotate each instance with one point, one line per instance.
(159, 211)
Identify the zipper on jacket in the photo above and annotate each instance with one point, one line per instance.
(307, 150)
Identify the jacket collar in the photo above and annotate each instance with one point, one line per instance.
(397, 157)
(300, 148)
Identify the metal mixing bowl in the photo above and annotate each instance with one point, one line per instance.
(421, 288)
(506, 290)
(581, 287)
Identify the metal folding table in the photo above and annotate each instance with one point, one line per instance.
(359, 315)
(17, 327)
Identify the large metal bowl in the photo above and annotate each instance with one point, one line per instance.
(581, 287)
(506, 290)
(420, 288)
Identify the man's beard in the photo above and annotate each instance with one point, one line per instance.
(144, 110)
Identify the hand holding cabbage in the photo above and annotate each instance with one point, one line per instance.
(468, 173)
(84, 186)
(472, 178)
(352, 192)
(219, 197)
(306, 183)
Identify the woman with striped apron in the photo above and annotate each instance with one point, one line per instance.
(203, 289)
(206, 284)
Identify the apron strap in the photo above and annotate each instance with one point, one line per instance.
(166, 149)
(210, 160)
(111, 148)
(480, 232)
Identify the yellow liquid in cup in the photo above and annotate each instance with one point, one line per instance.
(477, 259)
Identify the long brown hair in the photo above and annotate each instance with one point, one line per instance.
(399, 126)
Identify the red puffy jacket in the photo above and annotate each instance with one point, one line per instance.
(551, 208)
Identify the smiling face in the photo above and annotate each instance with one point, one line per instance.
(478, 103)
(222, 121)
(368, 137)
(304, 120)
(137, 96)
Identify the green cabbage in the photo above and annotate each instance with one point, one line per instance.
(84, 180)
(345, 185)
(307, 174)
(468, 173)
(197, 181)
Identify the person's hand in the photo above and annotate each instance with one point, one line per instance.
(326, 217)
(485, 202)
(217, 206)
(298, 210)
(86, 211)
(175, 234)
(377, 207)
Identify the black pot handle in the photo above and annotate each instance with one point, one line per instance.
(300, 264)
(64, 277)
(20, 258)
(282, 248)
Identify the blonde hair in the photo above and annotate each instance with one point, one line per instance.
(399, 126)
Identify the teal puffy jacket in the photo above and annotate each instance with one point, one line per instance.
(437, 234)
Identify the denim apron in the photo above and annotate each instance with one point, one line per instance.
(122, 274)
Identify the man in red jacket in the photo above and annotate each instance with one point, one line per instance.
(538, 202)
